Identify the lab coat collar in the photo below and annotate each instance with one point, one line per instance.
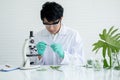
(62, 30)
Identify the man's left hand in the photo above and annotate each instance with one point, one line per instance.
(57, 48)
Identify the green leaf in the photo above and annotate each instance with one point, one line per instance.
(113, 32)
(104, 31)
(98, 45)
(110, 30)
(56, 68)
(89, 62)
(117, 67)
(116, 36)
(109, 43)
(42, 69)
(102, 36)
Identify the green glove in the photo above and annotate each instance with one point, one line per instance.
(41, 46)
(58, 49)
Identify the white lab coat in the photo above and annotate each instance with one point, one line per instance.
(71, 43)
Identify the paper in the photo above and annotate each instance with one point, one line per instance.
(7, 68)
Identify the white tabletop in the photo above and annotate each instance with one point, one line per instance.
(66, 73)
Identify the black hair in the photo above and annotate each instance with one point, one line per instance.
(51, 11)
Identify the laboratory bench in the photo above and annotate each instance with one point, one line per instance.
(64, 72)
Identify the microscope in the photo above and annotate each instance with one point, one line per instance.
(29, 50)
(31, 46)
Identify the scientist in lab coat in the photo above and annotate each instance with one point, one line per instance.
(57, 44)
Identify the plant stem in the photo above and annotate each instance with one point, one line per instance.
(110, 61)
(117, 60)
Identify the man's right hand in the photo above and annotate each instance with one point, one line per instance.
(41, 46)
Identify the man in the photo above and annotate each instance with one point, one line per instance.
(57, 44)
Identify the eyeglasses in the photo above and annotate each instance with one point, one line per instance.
(54, 23)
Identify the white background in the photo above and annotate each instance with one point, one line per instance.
(18, 17)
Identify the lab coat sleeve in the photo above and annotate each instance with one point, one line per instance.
(36, 61)
(75, 54)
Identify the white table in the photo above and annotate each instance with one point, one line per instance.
(68, 73)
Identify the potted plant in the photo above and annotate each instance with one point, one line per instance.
(109, 43)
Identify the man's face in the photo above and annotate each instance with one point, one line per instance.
(52, 27)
